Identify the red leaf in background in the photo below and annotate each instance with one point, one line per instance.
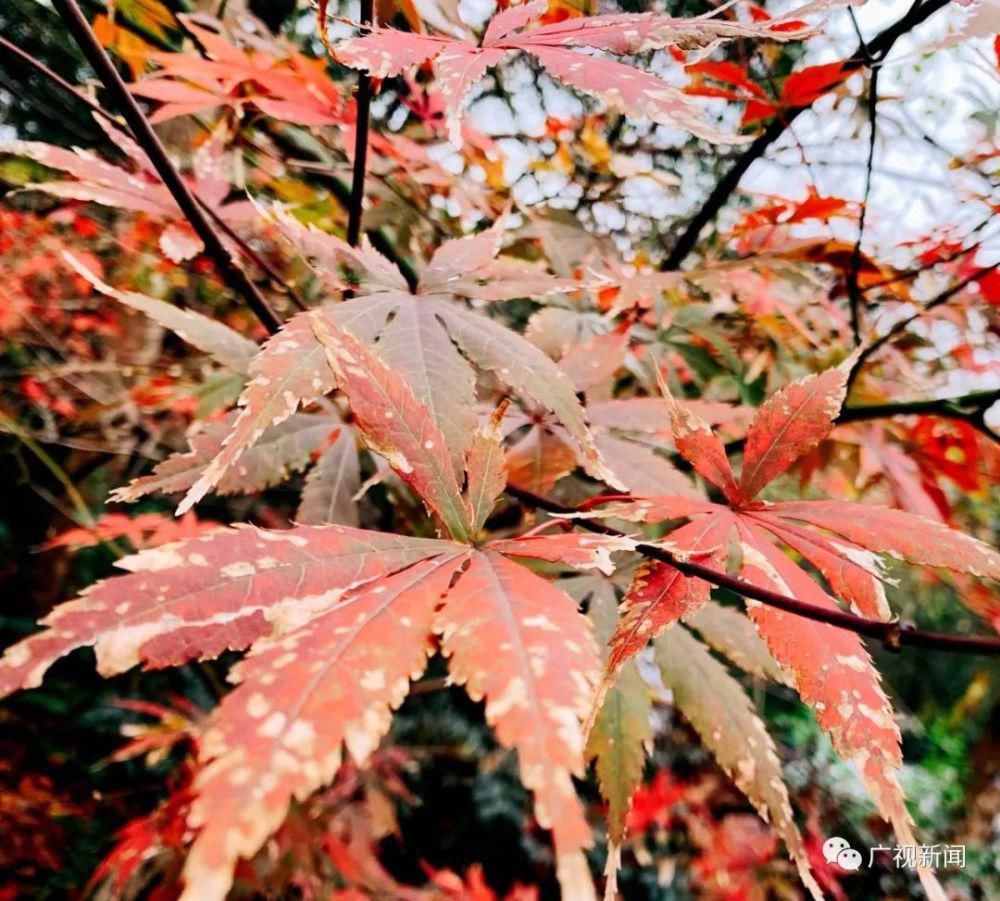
(783, 211)
(756, 110)
(731, 854)
(287, 85)
(950, 448)
(827, 875)
(817, 206)
(728, 73)
(474, 886)
(989, 287)
(807, 85)
(792, 25)
(145, 530)
(164, 831)
(653, 803)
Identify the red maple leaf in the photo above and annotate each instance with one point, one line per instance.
(829, 667)
(460, 64)
(339, 621)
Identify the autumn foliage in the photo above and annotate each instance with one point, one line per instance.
(503, 449)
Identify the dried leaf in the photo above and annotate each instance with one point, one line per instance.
(622, 727)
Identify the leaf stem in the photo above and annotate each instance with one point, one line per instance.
(893, 635)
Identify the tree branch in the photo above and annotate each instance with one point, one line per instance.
(970, 408)
(903, 324)
(854, 294)
(967, 407)
(893, 635)
(364, 103)
(237, 280)
(878, 47)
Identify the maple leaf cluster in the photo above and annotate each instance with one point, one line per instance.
(404, 382)
(339, 620)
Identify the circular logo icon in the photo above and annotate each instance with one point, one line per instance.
(849, 860)
(833, 847)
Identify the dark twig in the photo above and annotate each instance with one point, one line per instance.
(98, 110)
(913, 273)
(364, 103)
(853, 289)
(969, 408)
(965, 407)
(893, 635)
(878, 47)
(277, 279)
(237, 280)
(903, 324)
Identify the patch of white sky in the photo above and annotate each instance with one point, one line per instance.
(945, 95)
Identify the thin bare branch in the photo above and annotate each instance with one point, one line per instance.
(364, 103)
(237, 280)
(904, 324)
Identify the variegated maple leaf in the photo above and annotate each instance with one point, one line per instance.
(339, 620)
(617, 741)
(724, 717)
(291, 445)
(138, 189)
(278, 81)
(829, 667)
(460, 64)
(429, 337)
